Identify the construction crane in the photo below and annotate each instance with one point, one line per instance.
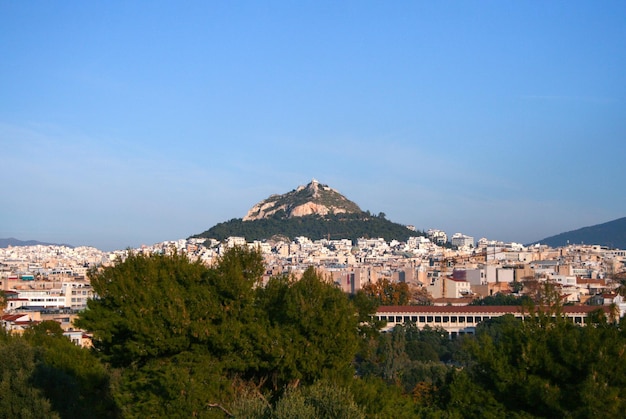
(444, 263)
(449, 262)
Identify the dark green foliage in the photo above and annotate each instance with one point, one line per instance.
(366, 305)
(314, 325)
(183, 385)
(43, 374)
(381, 400)
(186, 336)
(18, 397)
(146, 308)
(460, 397)
(72, 378)
(178, 329)
(423, 344)
(409, 357)
(336, 226)
(550, 368)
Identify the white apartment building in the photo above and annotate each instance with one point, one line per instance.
(76, 294)
(235, 241)
(438, 237)
(73, 295)
(42, 298)
(462, 241)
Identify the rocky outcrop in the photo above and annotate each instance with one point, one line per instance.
(314, 198)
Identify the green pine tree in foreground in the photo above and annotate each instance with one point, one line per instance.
(174, 338)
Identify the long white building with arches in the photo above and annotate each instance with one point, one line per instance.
(461, 320)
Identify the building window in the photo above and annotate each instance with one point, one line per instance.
(446, 319)
(398, 319)
(461, 319)
(429, 319)
(453, 319)
(422, 319)
(470, 319)
(477, 319)
(437, 319)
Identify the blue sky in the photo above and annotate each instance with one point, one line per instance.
(129, 123)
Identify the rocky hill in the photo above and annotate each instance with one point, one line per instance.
(611, 234)
(312, 199)
(316, 211)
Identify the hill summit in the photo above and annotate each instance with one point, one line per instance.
(312, 199)
(315, 211)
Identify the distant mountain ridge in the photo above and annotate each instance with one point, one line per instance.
(15, 242)
(611, 234)
(315, 211)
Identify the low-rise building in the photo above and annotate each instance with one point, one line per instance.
(461, 320)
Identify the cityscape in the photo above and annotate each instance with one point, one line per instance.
(52, 282)
(152, 150)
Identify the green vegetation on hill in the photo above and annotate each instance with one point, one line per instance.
(336, 226)
(611, 234)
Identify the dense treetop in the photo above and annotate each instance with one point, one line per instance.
(175, 338)
(159, 313)
(335, 226)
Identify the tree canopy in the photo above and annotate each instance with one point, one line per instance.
(349, 226)
(165, 319)
(176, 338)
(387, 293)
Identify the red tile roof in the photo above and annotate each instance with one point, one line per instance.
(477, 309)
